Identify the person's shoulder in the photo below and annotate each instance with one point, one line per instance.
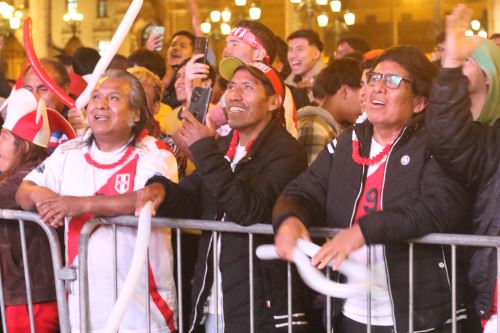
(70, 146)
(150, 144)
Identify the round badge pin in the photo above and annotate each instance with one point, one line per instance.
(405, 160)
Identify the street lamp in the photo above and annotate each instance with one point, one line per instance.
(73, 18)
(218, 23)
(319, 8)
(12, 14)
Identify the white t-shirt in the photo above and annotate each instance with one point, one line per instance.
(67, 172)
(381, 308)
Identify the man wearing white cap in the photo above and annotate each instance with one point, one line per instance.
(237, 179)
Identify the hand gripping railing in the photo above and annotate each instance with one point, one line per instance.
(59, 270)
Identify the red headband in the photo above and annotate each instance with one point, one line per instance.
(250, 39)
(273, 78)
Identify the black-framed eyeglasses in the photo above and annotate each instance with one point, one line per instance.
(391, 81)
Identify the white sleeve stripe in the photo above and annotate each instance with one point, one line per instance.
(331, 146)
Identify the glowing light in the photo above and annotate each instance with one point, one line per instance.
(349, 18)
(335, 6)
(322, 20)
(215, 16)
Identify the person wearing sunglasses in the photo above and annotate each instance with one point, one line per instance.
(378, 181)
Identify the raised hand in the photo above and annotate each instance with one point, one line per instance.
(458, 47)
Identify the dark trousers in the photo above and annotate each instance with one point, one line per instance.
(347, 325)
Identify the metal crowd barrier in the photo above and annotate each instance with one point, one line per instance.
(60, 272)
(216, 227)
(452, 240)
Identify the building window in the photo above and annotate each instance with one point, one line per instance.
(102, 9)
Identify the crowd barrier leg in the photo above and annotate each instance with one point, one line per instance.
(454, 288)
(289, 292)
(250, 272)
(410, 305)
(498, 288)
(179, 281)
(27, 279)
(115, 264)
(147, 298)
(328, 306)
(369, 291)
(83, 246)
(216, 281)
(2, 305)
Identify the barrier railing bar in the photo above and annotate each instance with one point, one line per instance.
(27, 279)
(148, 304)
(83, 268)
(266, 229)
(289, 293)
(369, 291)
(410, 301)
(216, 281)
(115, 264)
(2, 306)
(328, 306)
(250, 272)
(454, 288)
(179, 281)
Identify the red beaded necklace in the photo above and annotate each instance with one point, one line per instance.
(356, 157)
(124, 158)
(234, 143)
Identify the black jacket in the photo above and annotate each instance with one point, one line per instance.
(469, 151)
(246, 197)
(417, 198)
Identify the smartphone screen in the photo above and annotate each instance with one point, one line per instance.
(201, 47)
(200, 101)
(158, 30)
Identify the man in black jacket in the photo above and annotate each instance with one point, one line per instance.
(237, 178)
(468, 151)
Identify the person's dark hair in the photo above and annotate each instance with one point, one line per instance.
(137, 101)
(184, 33)
(368, 64)
(440, 37)
(84, 60)
(282, 54)
(25, 158)
(310, 35)
(358, 44)
(422, 72)
(118, 62)
(152, 60)
(337, 73)
(62, 79)
(263, 34)
(65, 59)
(495, 35)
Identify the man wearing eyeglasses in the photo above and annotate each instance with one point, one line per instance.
(378, 181)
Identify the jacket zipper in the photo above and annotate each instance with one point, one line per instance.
(383, 246)
(195, 317)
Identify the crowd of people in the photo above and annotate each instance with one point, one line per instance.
(388, 145)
